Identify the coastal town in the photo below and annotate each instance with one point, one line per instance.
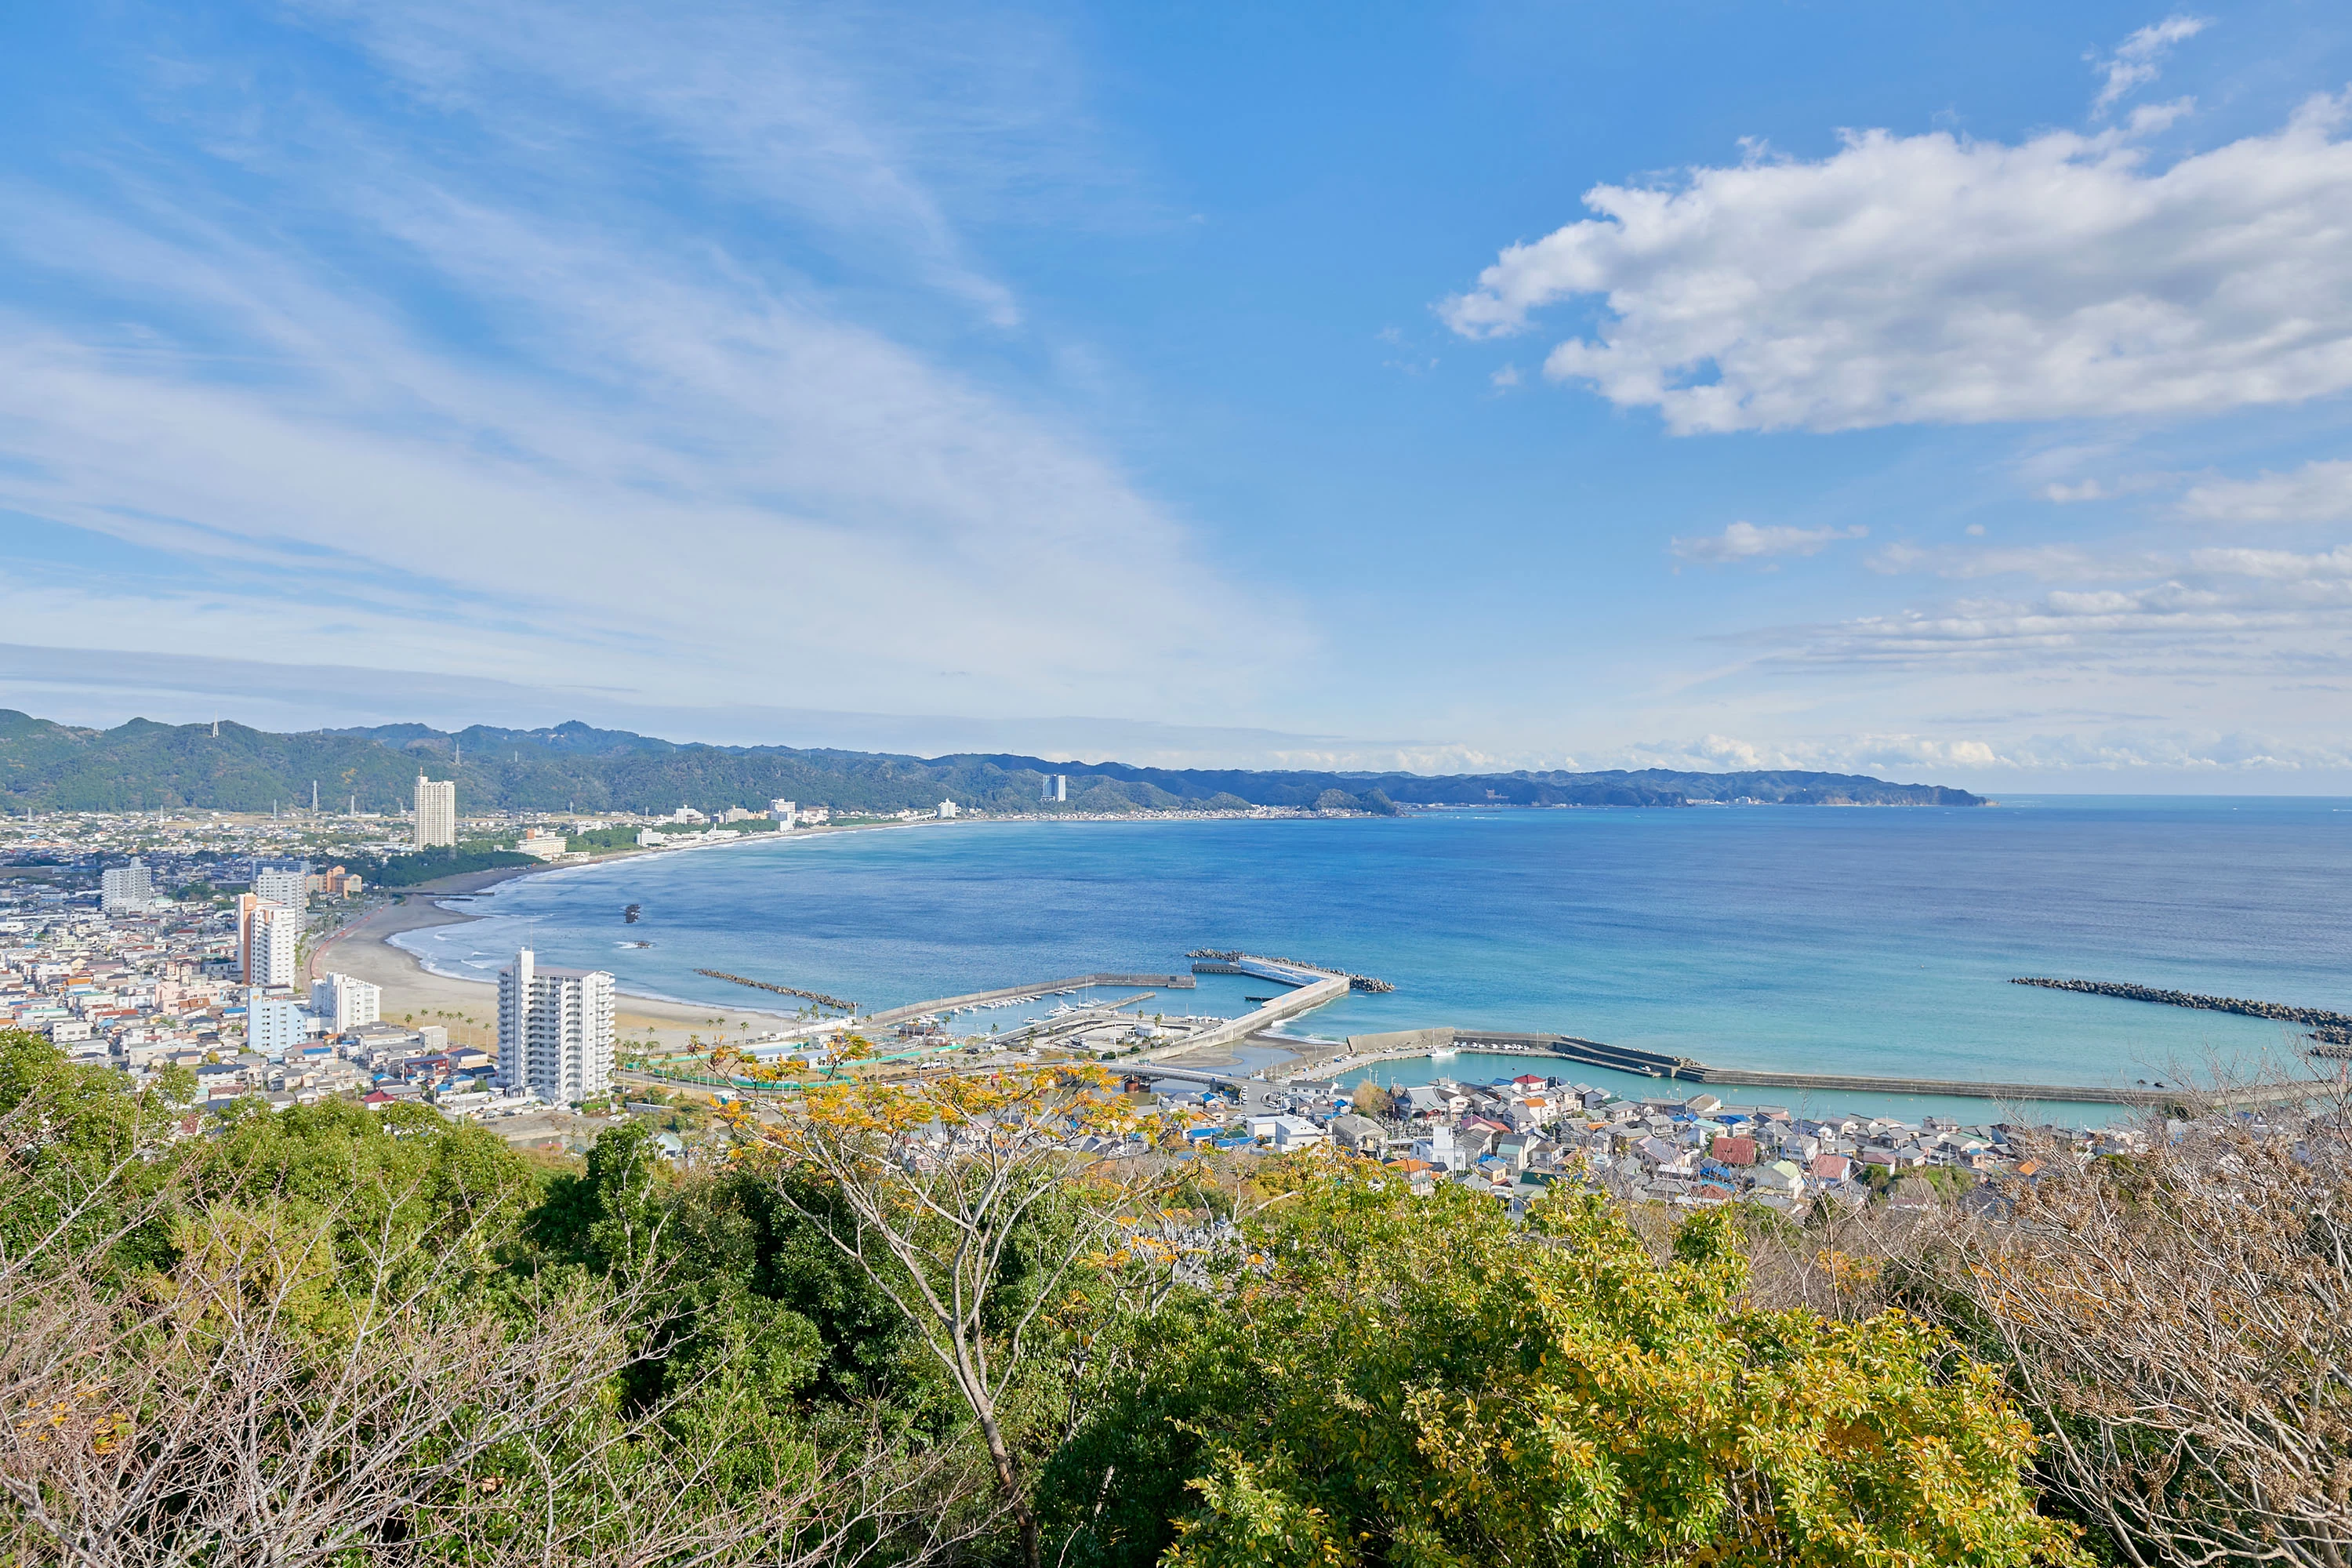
(185, 952)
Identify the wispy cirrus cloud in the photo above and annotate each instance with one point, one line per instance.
(2315, 492)
(1746, 542)
(2239, 612)
(2139, 59)
(451, 361)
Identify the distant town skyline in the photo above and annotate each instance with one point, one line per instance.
(1950, 394)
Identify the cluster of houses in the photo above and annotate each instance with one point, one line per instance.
(1516, 1137)
(165, 983)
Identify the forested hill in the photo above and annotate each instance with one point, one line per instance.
(46, 766)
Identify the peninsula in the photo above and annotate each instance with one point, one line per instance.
(145, 766)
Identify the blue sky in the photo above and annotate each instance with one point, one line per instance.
(1945, 392)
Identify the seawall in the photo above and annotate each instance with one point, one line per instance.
(1363, 1049)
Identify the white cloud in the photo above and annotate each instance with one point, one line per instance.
(2316, 493)
(1929, 278)
(2048, 561)
(1746, 542)
(2136, 60)
(886, 135)
(1911, 757)
(2245, 614)
(1876, 754)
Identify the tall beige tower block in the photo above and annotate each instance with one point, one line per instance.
(436, 812)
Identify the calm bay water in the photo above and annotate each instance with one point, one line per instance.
(1808, 939)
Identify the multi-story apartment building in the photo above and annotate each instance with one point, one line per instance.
(287, 887)
(274, 1026)
(436, 812)
(555, 1031)
(270, 935)
(343, 1002)
(127, 889)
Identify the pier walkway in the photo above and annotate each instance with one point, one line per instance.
(886, 1016)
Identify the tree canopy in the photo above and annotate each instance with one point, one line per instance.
(334, 1331)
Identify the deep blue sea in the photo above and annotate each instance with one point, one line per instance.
(1811, 939)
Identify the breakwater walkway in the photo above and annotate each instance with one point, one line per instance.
(889, 1015)
(1363, 1048)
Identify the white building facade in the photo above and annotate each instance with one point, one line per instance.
(127, 889)
(436, 812)
(287, 887)
(343, 1002)
(783, 811)
(272, 935)
(555, 1031)
(540, 844)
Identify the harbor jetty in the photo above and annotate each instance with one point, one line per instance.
(1309, 987)
(819, 997)
(891, 1016)
(1224, 961)
(2328, 1029)
(1445, 1040)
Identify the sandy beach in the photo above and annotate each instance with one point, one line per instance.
(412, 993)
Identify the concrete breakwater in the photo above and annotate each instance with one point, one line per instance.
(1445, 1040)
(819, 997)
(2333, 1028)
(1231, 961)
(1040, 988)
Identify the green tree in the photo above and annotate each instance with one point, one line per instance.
(81, 1154)
(1390, 1380)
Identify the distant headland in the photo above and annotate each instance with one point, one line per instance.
(143, 765)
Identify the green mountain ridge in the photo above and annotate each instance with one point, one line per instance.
(145, 765)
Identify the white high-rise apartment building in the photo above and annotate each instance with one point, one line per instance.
(343, 1002)
(437, 812)
(272, 932)
(784, 812)
(555, 1031)
(127, 889)
(288, 888)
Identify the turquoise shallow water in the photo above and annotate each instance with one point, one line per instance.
(1809, 939)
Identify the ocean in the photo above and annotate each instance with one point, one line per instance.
(1851, 940)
